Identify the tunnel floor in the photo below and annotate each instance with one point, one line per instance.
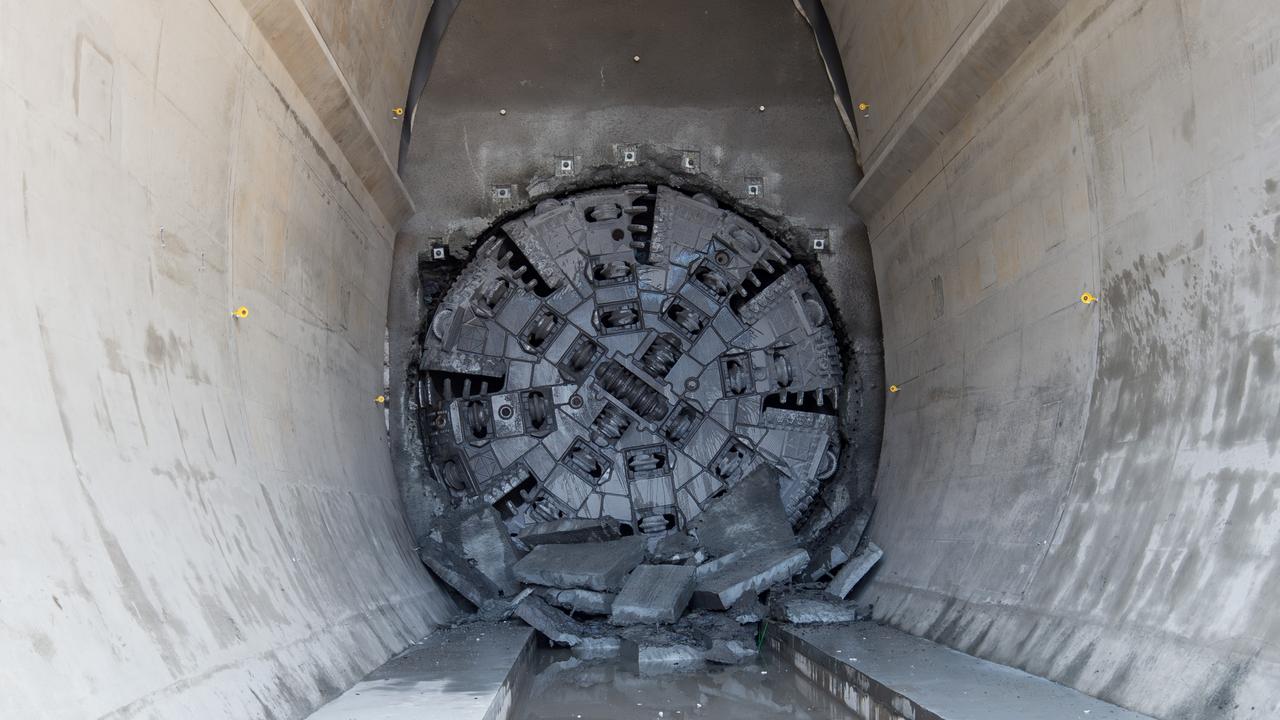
(564, 686)
(860, 670)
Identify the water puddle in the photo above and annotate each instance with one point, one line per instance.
(559, 686)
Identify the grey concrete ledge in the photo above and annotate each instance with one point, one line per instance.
(292, 34)
(993, 40)
(876, 670)
(461, 673)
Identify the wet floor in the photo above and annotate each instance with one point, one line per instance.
(566, 687)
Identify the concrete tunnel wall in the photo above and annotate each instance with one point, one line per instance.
(1084, 491)
(199, 514)
(201, 518)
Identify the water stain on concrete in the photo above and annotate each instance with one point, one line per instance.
(173, 353)
(115, 360)
(43, 645)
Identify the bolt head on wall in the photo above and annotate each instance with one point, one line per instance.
(820, 240)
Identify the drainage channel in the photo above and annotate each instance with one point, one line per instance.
(861, 671)
(559, 685)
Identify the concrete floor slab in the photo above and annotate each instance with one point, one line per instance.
(870, 663)
(456, 673)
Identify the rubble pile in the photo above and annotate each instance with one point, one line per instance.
(677, 600)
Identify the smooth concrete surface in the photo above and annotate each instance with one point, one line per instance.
(890, 49)
(373, 44)
(199, 515)
(897, 671)
(462, 673)
(1088, 492)
(935, 62)
(306, 54)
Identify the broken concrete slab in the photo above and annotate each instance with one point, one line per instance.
(499, 609)
(707, 627)
(486, 543)
(577, 600)
(660, 649)
(715, 564)
(600, 566)
(854, 570)
(748, 610)
(749, 515)
(654, 594)
(557, 626)
(667, 658)
(598, 648)
(570, 530)
(809, 611)
(675, 548)
(457, 573)
(840, 542)
(730, 652)
(755, 572)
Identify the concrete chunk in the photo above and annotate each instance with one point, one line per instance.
(840, 542)
(570, 530)
(457, 573)
(551, 622)
(749, 515)
(654, 594)
(752, 572)
(665, 658)
(854, 570)
(660, 650)
(486, 543)
(808, 611)
(577, 600)
(748, 610)
(595, 648)
(675, 548)
(707, 627)
(598, 566)
(715, 564)
(730, 652)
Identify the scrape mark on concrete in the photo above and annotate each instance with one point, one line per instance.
(43, 645)
(139, 605)
(114, 359)
(155, 347)
(26, 213)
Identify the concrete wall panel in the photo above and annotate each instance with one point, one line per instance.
(199, 516)
(1087, 492)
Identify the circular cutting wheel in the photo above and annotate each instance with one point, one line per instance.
(633, 353)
